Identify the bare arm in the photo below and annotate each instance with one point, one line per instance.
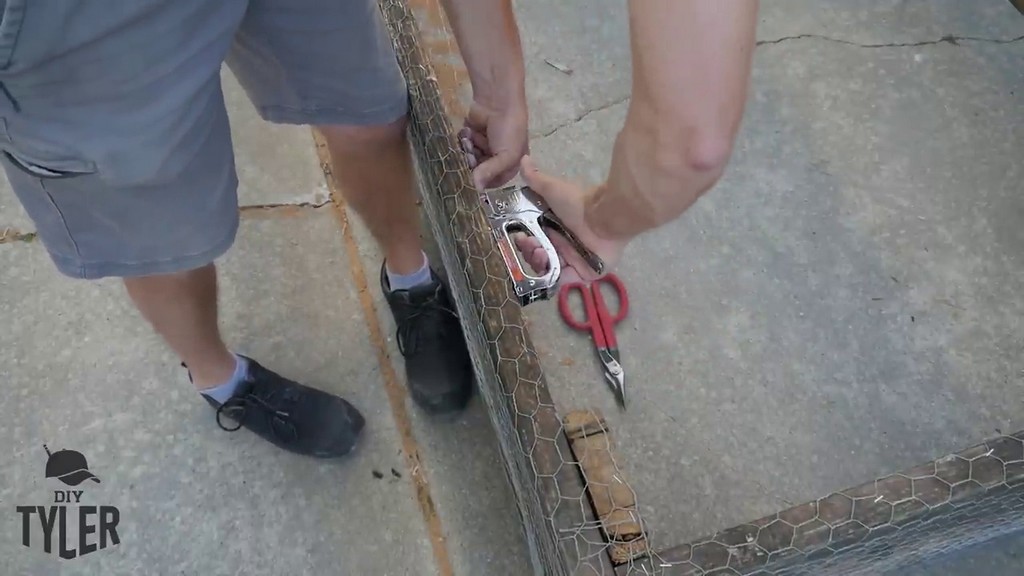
(691, 68)
(488, 38)
(495, 130)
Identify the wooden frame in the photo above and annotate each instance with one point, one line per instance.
(942, 506)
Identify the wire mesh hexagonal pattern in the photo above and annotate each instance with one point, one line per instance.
(951, 503)
(563, 535)
(895, 521)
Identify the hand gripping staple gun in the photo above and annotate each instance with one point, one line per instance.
(519, 209)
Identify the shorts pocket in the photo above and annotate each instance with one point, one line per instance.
(50, 168)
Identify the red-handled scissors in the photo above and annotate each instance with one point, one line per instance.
(601, 324)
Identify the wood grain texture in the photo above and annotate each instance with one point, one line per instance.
(612, 498)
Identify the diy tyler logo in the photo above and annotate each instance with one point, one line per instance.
(95, 526)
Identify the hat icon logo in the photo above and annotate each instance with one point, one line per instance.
(68, 466)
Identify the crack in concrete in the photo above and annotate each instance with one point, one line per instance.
(947, 39)
(581, 116)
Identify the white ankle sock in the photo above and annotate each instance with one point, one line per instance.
(222, 392)
(406, 281)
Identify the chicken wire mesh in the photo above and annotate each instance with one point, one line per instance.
(878, 528)
(943, 506)
(561, 530)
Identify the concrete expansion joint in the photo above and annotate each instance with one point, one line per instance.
(947, 39)
(579, 117)
(273, 205)
(283, 209)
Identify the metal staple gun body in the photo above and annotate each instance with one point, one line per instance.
(519, 209)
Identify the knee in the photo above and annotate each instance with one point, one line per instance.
(365, 138)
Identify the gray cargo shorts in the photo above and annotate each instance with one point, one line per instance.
(113, 129)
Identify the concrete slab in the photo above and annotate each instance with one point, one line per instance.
(848, 301)
(83, 372)
(588, 38)
(852, 304)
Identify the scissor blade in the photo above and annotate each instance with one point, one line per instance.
(617, 386)
(614, 375)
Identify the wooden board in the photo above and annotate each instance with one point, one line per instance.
(608, 489)
(879, 527)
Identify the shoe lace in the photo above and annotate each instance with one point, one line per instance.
(410, 327)
(274, 404)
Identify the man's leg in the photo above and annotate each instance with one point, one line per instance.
(373, 165)
(120, 151)
(182, 308)
(341, 76)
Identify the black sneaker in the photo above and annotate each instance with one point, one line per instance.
(437, 364)
(291, 416)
